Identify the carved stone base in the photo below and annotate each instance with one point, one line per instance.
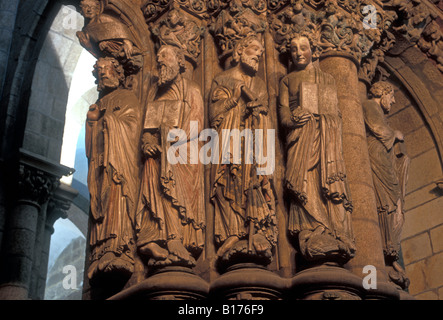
(169, 283)
(326, 283)
(405, 296)
(248, 282)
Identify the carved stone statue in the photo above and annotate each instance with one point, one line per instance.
(177, 30)
(320, 203)
(244, 201)
(171, 213)
(104, 33)
(390, 166)
(112, 133)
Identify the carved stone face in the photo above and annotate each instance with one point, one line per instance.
(107, 75)
(251, 55)
(168, 65)
(386, 101)
(90, 8)
(301, 52)
(174, 18)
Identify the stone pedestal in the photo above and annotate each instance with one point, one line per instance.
(248, 282)
(326, 283)
(169, 283)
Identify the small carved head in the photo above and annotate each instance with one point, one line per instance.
(170, 63)
(90, 8)
(174, 17)
(248, 52)
(385, 92)
(109, 73)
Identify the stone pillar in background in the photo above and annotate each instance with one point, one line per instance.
(364, 217)
(56, 208)
(37, 179)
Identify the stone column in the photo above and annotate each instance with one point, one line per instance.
(57, 208)
(38, 243)
(37, 179)
(364, 217)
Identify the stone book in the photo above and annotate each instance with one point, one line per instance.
(163, 113)
(318, 98)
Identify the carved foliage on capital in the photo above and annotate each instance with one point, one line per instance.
(241, 18)
(154, 9)
(343, 26)
(34, 185)
(177, 30)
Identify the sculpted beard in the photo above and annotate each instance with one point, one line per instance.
(250, 62)
(167, 73)
(110, 83)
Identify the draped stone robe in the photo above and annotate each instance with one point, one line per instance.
(112, 148)
(389, 171)
(238, 193)
(171, 203)
(315, 173)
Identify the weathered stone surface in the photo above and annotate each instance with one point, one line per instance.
(420, 196)
(423, 218)
(428, 295)
(437, 239)
(423, 170)
(416, 248)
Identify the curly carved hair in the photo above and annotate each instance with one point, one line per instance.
(308, 34)
(380, 88)
(178, 53)
(241, 45)
(117, 67)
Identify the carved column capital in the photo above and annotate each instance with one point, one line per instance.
(38, 178)
(343, 27)
(59, 204)
(239, 19)
(34, 186)
(178, 29)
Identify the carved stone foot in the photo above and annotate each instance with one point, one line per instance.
(227, 245)
(110, 264)
(260, 243)
(154, 250)
(321, 246)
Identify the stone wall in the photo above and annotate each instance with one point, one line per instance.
(52, 78)
(419, 117)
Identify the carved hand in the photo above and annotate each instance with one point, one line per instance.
(237, 91)
(257, 107)
(93, 113)
(301, 116)
(128, 47)
(151, 150)
(83, 38)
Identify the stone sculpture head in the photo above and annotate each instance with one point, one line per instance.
(248, 52)
(90, 8)
(170, 63)
(384, 93)
(301, 52)
(109, 73)
(174, 17)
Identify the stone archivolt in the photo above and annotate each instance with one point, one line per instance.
(179, 45)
